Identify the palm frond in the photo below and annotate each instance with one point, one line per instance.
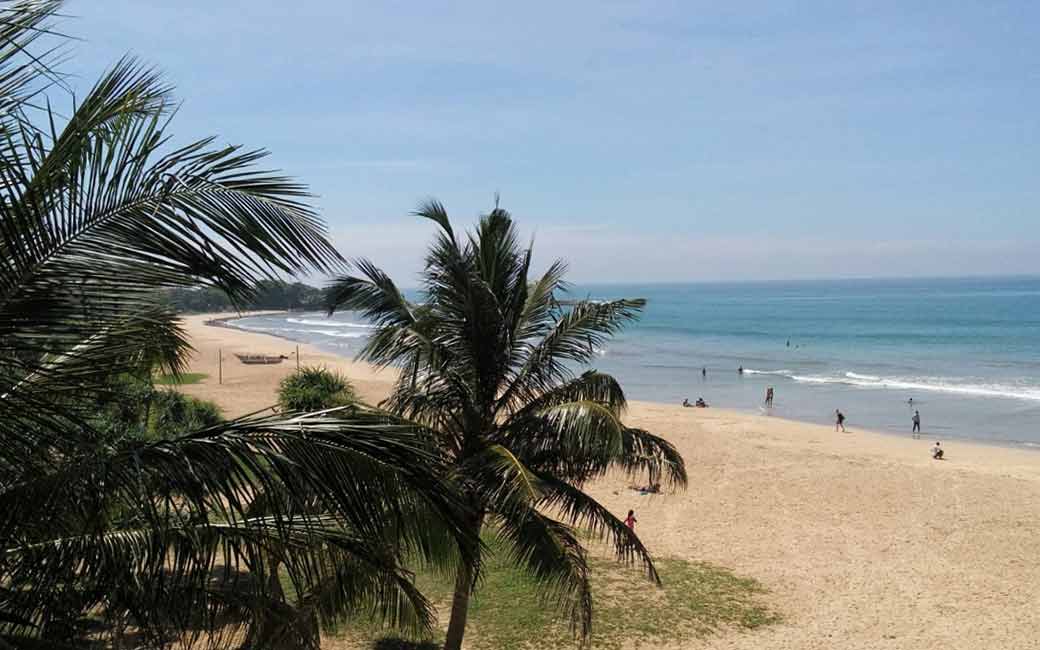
(578, 440)
(652, 456)
(433, 210)
(549, 550)
(370, 480)
(579, 509)
(105, 202)
(573, 339)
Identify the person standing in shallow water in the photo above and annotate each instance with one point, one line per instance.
(839, 420)
(917, 424)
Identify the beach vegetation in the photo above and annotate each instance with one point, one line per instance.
(183, 379)
(496, 373)
(171, 414)
(696, 600)
(312, 389)
(109, 538)
(135, 407)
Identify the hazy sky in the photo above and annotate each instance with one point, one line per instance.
(642, 141)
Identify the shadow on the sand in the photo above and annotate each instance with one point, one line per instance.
(394, 643)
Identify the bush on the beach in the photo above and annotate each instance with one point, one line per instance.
(315, 389)
(174, 413)
(133, 407)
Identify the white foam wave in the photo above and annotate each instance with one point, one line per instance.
(328, 323)
(816, 379)
(852, 375)
(335, 333)
(932, 384)
(752, 371)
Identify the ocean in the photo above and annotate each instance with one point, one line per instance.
(966, 351)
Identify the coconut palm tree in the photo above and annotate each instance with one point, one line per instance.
(494, 369)
(187, 538)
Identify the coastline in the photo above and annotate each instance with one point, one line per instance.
(223, 320)
(861, 539)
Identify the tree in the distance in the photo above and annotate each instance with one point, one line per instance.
(490, 368)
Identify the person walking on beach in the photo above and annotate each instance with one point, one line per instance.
(630, 520)
(839, 420)
(917, 424)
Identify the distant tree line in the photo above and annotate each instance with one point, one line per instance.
(270, 294)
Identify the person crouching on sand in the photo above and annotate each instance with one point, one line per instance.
(839, 420)
(937, 451)
(630, 520)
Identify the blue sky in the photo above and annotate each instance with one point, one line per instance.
(642, 141)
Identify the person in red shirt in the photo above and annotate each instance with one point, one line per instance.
(630, 520)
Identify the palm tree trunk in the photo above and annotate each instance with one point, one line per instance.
(460, 601)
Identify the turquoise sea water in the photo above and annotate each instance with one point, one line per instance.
(967, 351)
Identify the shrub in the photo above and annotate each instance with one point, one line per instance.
(315, 389)
(174, 413)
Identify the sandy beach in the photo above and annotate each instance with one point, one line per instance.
(862, 540)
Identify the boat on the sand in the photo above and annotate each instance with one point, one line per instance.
(260, 359)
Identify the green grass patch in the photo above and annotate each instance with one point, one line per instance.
(181, 380)
(695, 600)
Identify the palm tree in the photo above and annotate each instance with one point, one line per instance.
(184, 539)
(489, 368)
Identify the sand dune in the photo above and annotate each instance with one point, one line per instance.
(861, 538)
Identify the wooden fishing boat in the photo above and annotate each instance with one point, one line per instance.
(260, 359)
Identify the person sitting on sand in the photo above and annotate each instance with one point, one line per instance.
(937, 451)
(630, 520)
(686, 402)
(701, 404)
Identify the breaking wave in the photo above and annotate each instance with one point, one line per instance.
(934, 384)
